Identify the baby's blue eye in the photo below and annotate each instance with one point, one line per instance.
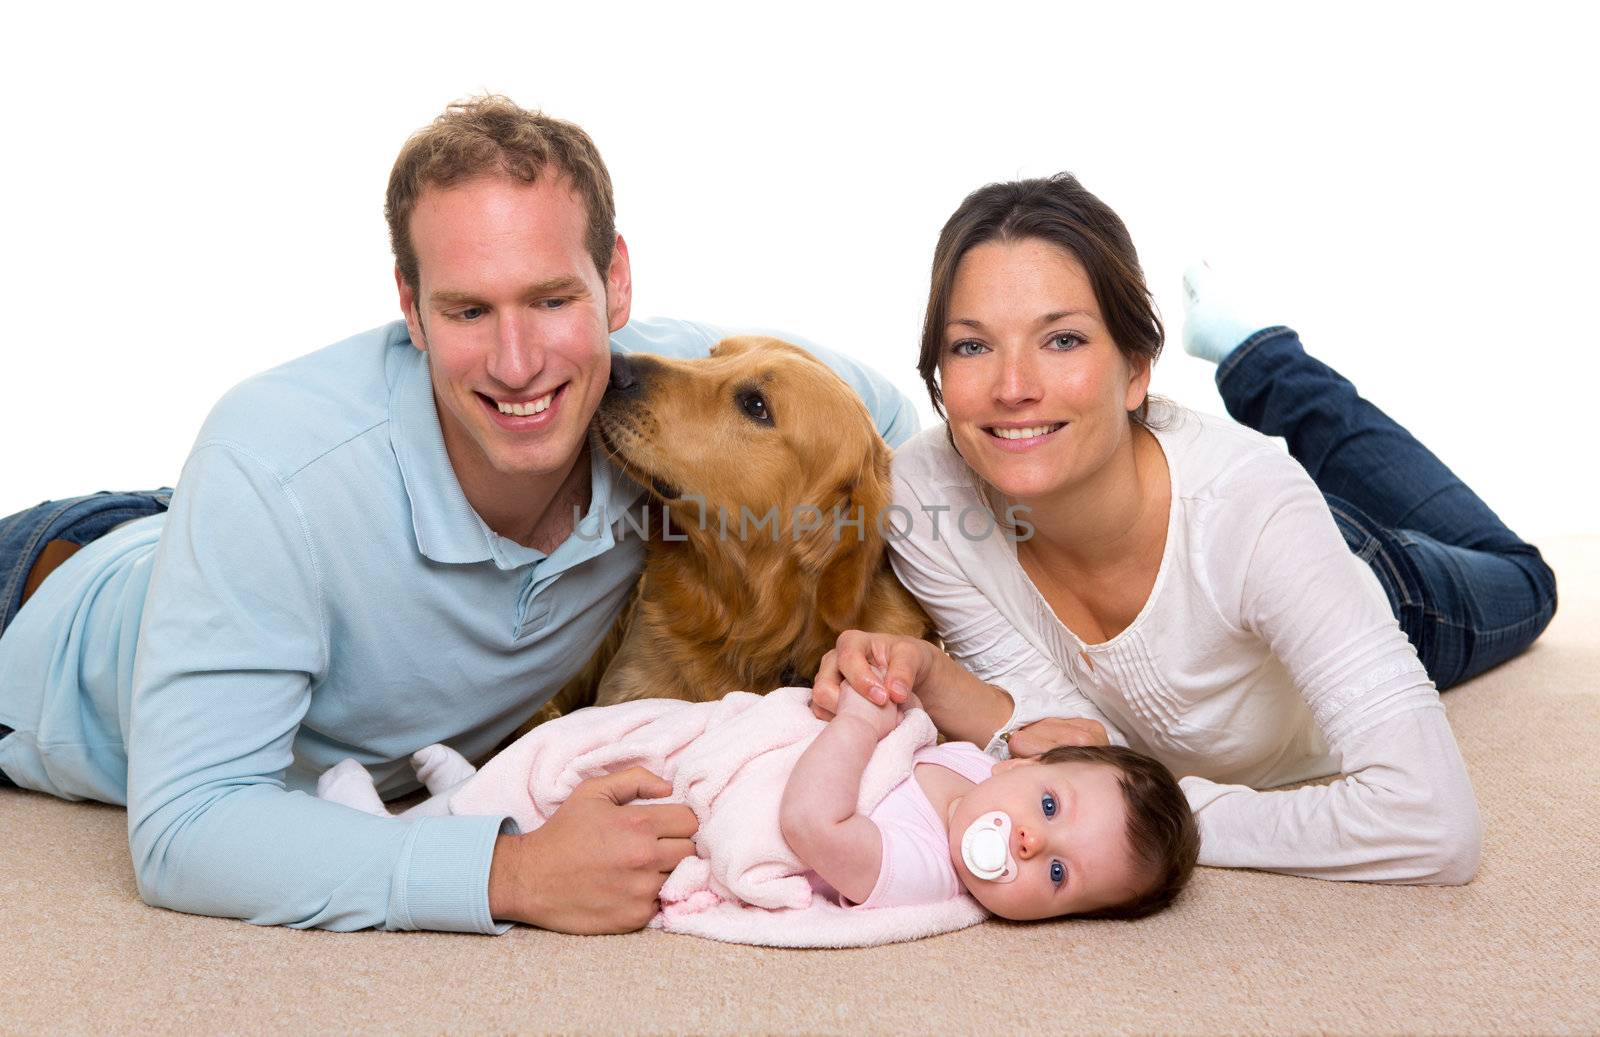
(1049, 804)
(1058, 871)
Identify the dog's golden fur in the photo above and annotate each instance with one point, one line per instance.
(758, 424)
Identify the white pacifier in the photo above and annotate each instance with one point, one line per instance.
(986, 848)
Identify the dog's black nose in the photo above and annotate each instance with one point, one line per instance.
(624, 379)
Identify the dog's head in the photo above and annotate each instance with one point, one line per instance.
(749, 447)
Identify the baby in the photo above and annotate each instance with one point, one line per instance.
(1093, 830)
(1082, 830)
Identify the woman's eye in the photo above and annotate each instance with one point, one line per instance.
(1058, 872)
(1049, 805)
(1065, 342)
(966, 347)
(753, 404)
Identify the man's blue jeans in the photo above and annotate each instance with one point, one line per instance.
(1468, 592)
(79, 520)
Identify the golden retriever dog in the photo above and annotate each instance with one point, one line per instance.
(766, 479)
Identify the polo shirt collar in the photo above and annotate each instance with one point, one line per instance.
(447, 528)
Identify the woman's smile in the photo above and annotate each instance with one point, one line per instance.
(1017, 438)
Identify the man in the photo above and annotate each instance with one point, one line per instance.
(371, 549)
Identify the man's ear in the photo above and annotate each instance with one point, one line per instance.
(619, 286)
(408, 308)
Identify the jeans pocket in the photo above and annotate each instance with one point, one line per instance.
(78, 520)
(1381, 552)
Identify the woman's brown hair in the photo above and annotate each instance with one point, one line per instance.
(1061, 211)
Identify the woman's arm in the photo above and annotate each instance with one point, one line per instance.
(1405, 812)
(961, 705)
(1405, 809)
(891, 668)
(989, 681)
(818, 812)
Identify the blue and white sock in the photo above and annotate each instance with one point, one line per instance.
(1214, 323)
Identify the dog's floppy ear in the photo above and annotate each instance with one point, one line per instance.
(848, 571)
(733, 345)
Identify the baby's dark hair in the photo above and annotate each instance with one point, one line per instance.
(1161, 829)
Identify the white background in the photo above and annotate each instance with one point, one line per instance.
(188, 196)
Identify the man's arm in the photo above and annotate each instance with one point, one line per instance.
(232, 637)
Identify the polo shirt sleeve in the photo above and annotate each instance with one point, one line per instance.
(891, 410)
(234, 637)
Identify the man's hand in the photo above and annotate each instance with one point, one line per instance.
(882, 667)
(1043, 735)
(598, 864)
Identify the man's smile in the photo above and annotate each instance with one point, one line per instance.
(518, 415)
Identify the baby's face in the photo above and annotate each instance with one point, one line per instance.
(1068, 836)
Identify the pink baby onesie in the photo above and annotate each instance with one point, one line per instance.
(917, 868)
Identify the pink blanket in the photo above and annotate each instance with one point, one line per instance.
(728, 761)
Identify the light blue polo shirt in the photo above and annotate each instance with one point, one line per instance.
(320, 589)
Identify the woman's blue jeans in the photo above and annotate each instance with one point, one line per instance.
(1468, 592)
(79, 520)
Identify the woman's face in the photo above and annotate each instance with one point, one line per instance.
(1036, 392)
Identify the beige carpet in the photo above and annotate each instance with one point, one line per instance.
(1517, 951)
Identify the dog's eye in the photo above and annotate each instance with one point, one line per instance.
(755, 405)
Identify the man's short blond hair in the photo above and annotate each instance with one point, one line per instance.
(492, 136)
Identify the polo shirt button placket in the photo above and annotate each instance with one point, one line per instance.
(534, 607)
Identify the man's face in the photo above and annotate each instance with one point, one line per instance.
(515, 319)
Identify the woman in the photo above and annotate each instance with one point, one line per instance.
(1103, 567)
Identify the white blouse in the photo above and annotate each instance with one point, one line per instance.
(1267, 654)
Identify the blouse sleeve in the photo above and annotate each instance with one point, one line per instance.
(975, 633)
(1404, 811)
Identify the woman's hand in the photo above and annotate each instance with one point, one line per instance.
(913, 673)
(883, 668)
(852, 705)
(1043, 735)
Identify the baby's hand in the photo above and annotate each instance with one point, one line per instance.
(852, 703)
